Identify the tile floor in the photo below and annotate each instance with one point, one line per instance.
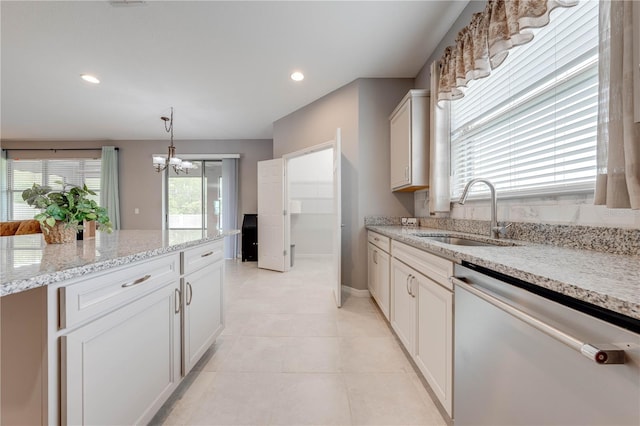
(288, 356)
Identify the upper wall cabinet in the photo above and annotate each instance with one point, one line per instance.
(409, 124)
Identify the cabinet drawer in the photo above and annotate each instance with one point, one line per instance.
(380, 241)
(201, 256)
(434, 267)
(109, 290)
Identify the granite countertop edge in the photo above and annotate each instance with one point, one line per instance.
(48, 278)
(477, 256)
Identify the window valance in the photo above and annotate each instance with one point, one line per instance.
(484, 44)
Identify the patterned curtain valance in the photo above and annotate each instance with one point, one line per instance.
(484, 44)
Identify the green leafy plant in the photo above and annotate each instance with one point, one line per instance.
(70, 205)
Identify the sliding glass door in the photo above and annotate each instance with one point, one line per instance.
(194, 200)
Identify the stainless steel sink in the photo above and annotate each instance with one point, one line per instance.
(460, 241)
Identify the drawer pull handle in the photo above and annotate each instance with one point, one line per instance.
(136, 282)
(178, 302)
(189, 293)
(376, 239)
(206, 254)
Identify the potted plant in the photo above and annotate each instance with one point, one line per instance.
(64, 212)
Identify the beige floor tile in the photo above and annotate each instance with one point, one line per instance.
(355, 324)
(186, 399)
(311, 399)
(256, 354)
(312, 355)
(388, 399)
(372, 355)
(238, 399)
(288, 356)
(213, 358)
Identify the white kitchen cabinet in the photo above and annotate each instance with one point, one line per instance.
(379, 264)
(422, 315)
(120, 368)
(403, 308)
(434, 348)
(203, 314)
(409, 142)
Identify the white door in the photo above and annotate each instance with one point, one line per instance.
(337, 211)
(271, 215)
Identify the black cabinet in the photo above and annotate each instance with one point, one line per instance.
(250, 238)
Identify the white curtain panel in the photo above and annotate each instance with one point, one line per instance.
(439, 194)
(109, 190)
(618, 179)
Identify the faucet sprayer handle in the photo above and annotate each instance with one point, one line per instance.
(502, 230)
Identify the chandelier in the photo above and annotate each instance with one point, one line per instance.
(178, 165)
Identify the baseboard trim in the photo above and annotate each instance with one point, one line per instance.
(356, 292)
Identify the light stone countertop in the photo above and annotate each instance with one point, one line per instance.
(610, 281)
(27, 262)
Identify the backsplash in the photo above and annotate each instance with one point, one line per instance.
(563, 220)
(603, 239)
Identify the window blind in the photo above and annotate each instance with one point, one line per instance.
(531, 126)
(22, 174)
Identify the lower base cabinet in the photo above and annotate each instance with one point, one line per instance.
(203, 312)
(378, 277)
(422, 315)
(119, 369)
(403, 304)
(434, 348)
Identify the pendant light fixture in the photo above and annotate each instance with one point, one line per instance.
(161, 163)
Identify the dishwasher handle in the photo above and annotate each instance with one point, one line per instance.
(598, 355)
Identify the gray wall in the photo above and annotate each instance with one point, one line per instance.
(141, 186)
(361, 109)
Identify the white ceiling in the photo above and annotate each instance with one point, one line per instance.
(223, 66)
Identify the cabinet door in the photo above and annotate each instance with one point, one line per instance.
(383, 265)
(434, 347)
(401, 146)
(203, 318)
(121, 368)
(403, 309)
(372, 271)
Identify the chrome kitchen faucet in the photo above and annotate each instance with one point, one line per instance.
(496, 230)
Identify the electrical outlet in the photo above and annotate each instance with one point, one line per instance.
(412, 221)
(404, 221)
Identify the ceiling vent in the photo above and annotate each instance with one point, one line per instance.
(127, 3)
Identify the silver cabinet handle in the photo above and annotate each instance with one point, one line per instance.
(375, 257)
(136, 282)
(189, 293)
(598, 355)
(178, 301)
(411, 286)
(407, 284)
(206, 254)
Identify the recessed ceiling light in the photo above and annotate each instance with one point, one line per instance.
(90, 78)
(297, 76)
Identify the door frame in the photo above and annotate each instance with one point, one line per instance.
(336, 146)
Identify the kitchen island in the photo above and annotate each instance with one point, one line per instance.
(103, 330)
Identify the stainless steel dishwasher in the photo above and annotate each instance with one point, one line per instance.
(538, 359)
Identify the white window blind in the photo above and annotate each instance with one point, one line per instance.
(531, 126)
(22, 174)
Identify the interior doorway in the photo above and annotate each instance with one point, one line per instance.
(299, 197)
